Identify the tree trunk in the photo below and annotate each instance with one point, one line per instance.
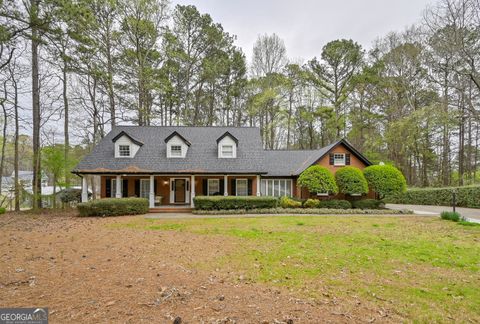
(36, 183)
(65, 125)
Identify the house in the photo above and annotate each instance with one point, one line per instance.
(171, 165)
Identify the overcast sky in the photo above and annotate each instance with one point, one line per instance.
(307, 25)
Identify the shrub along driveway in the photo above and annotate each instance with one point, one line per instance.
(472, 214)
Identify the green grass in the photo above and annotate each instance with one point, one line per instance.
(425, 269)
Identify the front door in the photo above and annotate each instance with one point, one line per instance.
(180, 190)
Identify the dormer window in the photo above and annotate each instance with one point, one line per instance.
(227, 146)
(124, 150)
(176, 151)
(227, 151)
(125, 145)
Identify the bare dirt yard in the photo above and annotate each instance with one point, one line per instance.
(265, 270)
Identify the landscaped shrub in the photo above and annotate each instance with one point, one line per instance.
(318, 179)
(312, 203)
(350, 181)
(233, 202)
(287, 202)
(335, 204)
(304, 211)
(465, 197)
(450, 215)
(2, 210)
(368, 204)
(114, 207)
(385, 180)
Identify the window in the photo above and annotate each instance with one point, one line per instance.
(276, 188)
(113, 188)
(338, 159)
(213, 187)
(124, 150)
(145, 188)
(227, 150)
(242, 187)
(176, 150)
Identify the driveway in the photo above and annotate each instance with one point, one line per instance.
(472, 214)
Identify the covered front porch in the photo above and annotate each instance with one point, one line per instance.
(170, 191)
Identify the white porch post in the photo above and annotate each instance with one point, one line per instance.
(151, 196)
(118, 185)
(258, 185)
(84, 188)
(225, 185)
(192, 190)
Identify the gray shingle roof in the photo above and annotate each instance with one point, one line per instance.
(202, 156)
(293, 162)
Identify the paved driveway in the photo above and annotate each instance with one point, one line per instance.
(472, 214)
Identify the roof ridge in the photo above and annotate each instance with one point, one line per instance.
(184, 126)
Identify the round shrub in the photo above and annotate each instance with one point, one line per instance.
(286, 202)
(335, 204)
(311, 203)
(351, 181)
(2, 210)
(385, 180)
(318, 179)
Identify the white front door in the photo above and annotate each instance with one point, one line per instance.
(180, 191)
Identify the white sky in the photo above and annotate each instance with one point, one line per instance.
(307, 25)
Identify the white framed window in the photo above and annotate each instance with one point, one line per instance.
(124, 150)
(176, 150)
(227, 150)
(242, 187)
(276, 187)
(145, 188)
(113, 188)
(213, 187)
(339, 159)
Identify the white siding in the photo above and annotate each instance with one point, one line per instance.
(176, 141)
(124, 140)
(227, 140)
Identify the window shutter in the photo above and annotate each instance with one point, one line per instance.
(249, 187)
(222, 186)
(125, 188)
(332, 160)
(108, 187)
(137, 187)
(155, 186)
(233, 187)
(205, 187)
(347, 159)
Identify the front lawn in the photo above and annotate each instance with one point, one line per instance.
(422, 269)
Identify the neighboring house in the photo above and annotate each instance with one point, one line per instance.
(162, 163)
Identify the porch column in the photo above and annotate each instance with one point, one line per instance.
(192, 191)
(151, 196)
(118, 187)
(84, 188)
(225, 185)
(258, 185)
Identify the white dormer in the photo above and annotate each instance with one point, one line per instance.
(227, 146)
(125, 145)
(177, 146)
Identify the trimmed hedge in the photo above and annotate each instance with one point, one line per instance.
(114, 207)
(335, 204)
(233, 202)
(466, 197)
(287, 202)
(318, 179)
(368, 204)
(303, 211)
(2, 210)
(385, 180)
(350, 181)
